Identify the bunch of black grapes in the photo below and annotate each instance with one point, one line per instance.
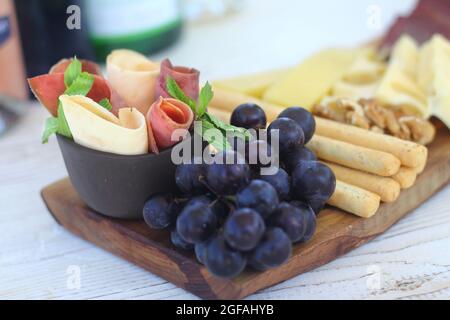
(231, 215)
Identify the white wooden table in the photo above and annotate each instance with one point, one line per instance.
(40, 260)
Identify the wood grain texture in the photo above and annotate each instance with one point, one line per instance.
(337, 234)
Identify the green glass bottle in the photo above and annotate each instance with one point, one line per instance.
(142, 25)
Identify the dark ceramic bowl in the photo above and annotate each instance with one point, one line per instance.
(117, 185)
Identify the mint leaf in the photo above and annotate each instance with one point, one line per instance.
(63, 126)
(51, 127)
(205, 97)
(106, 104)
(221, 143)
(238, 131)
(175, 92)
(72, 72)
(81, 85)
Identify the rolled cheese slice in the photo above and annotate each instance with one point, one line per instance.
(134, 77)
(95, 127)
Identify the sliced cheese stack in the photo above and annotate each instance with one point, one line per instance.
(95, 127)
(370, 167)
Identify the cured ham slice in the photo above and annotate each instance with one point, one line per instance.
(86, 66)
(163, 118)
(134, 77)
(95, 127)
(186, 78)
(48, 87)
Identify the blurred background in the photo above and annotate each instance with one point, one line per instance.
(219, 37)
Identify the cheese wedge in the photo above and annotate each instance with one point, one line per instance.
(95, 127)
(434, 76)
(310, 81)
(134, 77)
(398, 88)
(253, 85)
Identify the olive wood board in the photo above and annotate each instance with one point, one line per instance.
(337, 233)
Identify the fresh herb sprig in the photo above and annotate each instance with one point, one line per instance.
(208, 121)
(77, 82)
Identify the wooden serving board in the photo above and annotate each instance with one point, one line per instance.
(337, 233)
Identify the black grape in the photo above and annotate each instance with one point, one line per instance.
(260, 196)
(310, 220)
(291, 219)
(227, 179)
(243, 229)
(274, 249)
(249, 116)
(160, 211)
(188, 178)
(312, 181)
(290, 135)
(196, 222)
(223, 261)
(304, 119)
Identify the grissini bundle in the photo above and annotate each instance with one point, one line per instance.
(405, 177)
(353, 156)
(411, 154)
(387, 188)
(355, 200)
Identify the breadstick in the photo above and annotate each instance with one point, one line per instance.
(419, 169)
(355, 157)
(228, 100)
(410, 154)
(387, 188)
(355, 200)
(405, 177)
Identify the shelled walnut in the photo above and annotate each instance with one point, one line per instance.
(369, 114)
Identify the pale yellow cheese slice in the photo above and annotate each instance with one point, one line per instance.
(95, 127)
(312, 79)
(434, 76)
(133, 76)
(253, 85)
(399, 88)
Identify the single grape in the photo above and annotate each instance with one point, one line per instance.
(188, 178)
(290, 135)
(304, 119)
(227, 179)
(310, 220)
(196, 222)
(160, 211)
(280, 181)
(178, 242)
(223, 261)
(274, 249)
(260, 196)
(243, 229)
(312, 181)
(291, 219)
(249, 116)
(298, 154)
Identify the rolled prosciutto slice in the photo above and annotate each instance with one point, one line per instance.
(48, 87)
(186, 78)
(86, 66)
(163, 118)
